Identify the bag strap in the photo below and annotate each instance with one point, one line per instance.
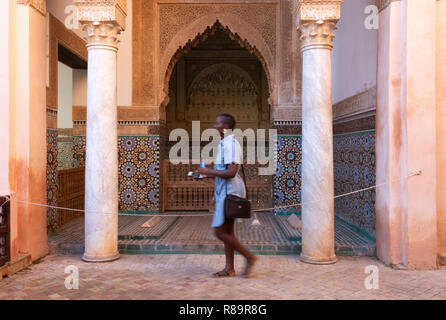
(244, 182)
(243, 171)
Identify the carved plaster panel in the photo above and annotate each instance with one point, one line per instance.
(174, 17)
(288, 127)
(219, 88)
(354, 124)
(319, 10)
(143, 59)
(126, 114)
(51, 118)
(217, 27)
(287, 113)
(288, 57)
(184, 25)
(102, 11)
(163, 30)
(360, 103)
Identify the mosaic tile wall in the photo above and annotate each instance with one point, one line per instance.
(79, 144)
(139, 182)
(287, 181)
(139, 174)
(66, 155)
(51, 178)
(354, 169)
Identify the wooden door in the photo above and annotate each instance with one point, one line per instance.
(71, 194)
(182, 193)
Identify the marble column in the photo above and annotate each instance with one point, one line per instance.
(101, 163)
(317, 142)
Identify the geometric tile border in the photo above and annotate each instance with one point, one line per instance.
(288, 178)
(51, 178)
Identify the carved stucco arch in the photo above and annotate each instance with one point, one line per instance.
(229, 66)
(198, 31)
(210, 79)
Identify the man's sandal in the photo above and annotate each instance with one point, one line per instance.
(224, 273)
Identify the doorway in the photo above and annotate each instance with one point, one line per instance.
(217, 76)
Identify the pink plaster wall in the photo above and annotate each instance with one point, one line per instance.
(406, 223)
(419, 93)
(12, 126)
(441, 129)
(28, 136)
(391, 199)
(4, 99)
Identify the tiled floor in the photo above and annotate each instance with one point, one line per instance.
(274, 235)
(165, 277)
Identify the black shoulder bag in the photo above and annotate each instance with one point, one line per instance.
(235, 206)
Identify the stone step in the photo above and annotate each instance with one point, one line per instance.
(142, 247)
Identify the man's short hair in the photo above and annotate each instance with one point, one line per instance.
(228, 119)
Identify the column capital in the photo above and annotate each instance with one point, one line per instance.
(104, 34)
(317, 34)
(103, 20)
(317, 21)
(39, 5)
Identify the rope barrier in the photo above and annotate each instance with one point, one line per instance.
(8, 199)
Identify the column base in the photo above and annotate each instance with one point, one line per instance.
(315, 260)
(113, 257)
